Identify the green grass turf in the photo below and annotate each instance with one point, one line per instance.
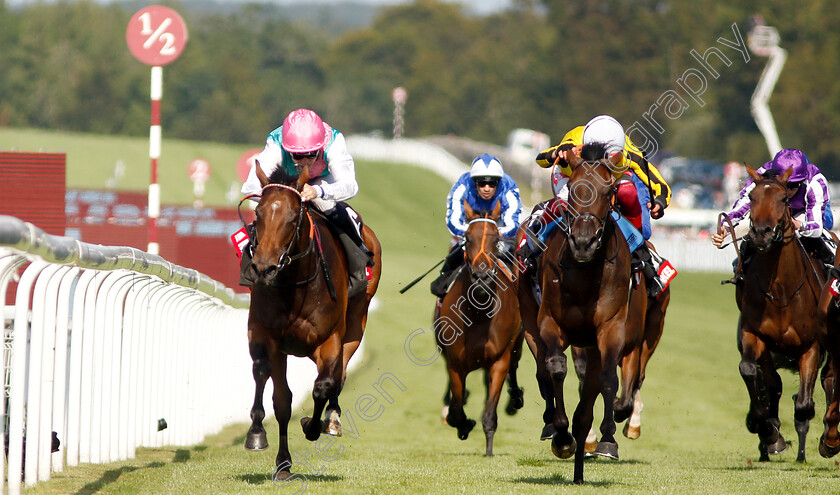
(693, 434)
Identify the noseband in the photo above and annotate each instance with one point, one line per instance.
(785, 222)
(491, 261)
(285, 259)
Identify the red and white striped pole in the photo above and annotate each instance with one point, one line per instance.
(154, 154)
(156, 36)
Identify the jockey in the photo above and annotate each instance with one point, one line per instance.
(481, 187)
(642, 192)
(304, 139)
(809, 202)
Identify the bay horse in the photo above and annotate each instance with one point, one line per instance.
(585, 279)
(829, 313)
(299, 307)
(477, 325)
(778, 325)
(654, 322)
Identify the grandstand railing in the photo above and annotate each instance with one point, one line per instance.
(111, 348)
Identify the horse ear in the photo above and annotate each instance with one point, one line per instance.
(260, 174)
(303, 178)
(617, 160)
(786, 175)
(471, 214)
(497, 209)
(753, 174)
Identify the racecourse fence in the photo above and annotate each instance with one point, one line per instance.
(108, 349)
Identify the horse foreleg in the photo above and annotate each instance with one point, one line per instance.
(562, 443)
(607, 379)
(516, 395)
(583, 417)
(282, 400)
(633, 427)
(256, 438)
(809, 364)
(456, 417)
(579, 359)
(328, 358)
(758, 417)
(623, 406)
(830, 439)
(489, 420)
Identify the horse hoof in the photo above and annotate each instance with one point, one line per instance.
(563, 451)
(282, 475)
(464, 432)
(607, 449)
(443, 413)
(826, 450)
(314, 433)
(256, 441)
(589, 448)
(516, 401)
(332, 428)
(548, 432)
(777, 447)
(632, 432)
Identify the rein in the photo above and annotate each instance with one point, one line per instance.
(494, 260)
(779, 235)
(285, 259)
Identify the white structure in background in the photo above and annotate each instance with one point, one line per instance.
(409, 151)
(523, 146)
(764, 42)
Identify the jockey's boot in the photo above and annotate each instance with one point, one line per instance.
(454, 259)
(642, 260)
(359, 257)
(246, 275)
(819, 247)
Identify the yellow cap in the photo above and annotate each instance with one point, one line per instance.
(573, 137)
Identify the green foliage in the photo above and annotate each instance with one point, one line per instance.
(542, 64)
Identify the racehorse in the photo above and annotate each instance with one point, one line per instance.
(778, 325)
(299, 307)
(829, 312)
(654, 322)
(585, 279)
(478, 325)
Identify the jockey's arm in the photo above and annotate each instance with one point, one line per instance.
(810, 222)
(343, 171)
(547, 157)
(651, 178)
(512, 207)
(455, 216)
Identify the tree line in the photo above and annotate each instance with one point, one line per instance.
(673, 70)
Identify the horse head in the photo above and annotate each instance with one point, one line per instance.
(769, 208)
(279, 220)
(482, 239)
(591, 189)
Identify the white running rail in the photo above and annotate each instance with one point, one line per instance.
(102, 343)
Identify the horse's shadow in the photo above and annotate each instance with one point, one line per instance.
(263, 478)
(558, 479)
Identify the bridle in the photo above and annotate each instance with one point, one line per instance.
(786, 222)
(492, 259)
(285, 259)
(567, 227)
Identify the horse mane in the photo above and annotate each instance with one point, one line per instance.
(281, 176)
(593, 152)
